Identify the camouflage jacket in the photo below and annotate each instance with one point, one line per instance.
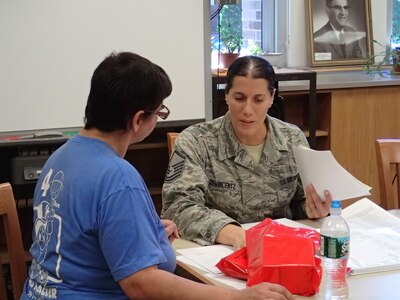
(212, 181)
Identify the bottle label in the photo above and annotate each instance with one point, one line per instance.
(335, 247)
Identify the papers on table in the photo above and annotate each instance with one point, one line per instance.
(374, 244)
(205, 258)
(322, 170)
(230, 281)
(374, 238)
(190, 262)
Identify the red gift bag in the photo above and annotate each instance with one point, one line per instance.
(235, 264)
(284, 255)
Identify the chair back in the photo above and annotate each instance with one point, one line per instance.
(388, 158)
(15, 249)
(277, 109)
(171, 138)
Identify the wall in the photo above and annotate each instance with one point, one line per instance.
(252, 22)
(297, 41)
(51, 48)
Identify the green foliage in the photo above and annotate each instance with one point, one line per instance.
(255, 49)
(389, 57)
(230, 28)
(396, 18)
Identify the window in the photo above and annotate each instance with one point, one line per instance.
(395, 23)
(260, 27)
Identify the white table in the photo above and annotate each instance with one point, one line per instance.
(375, 286)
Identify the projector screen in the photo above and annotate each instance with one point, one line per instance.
(49, 50)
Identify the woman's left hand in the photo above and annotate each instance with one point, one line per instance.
(315, 208)
(171, 229)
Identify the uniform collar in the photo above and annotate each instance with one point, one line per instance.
(229, 145)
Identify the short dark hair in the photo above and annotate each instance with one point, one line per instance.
(329, 2)
(251, 66)
(121, 85)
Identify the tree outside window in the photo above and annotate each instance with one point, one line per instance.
(396, 23)
(251, 20)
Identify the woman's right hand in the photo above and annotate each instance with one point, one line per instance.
(265, 290)
(171, 229)
(232, 235)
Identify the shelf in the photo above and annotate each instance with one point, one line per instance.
(155, 190)
(318, 133)
(141, 146)
(23, 203)
(5, 258)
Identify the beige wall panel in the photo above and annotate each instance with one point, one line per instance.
(359, 116)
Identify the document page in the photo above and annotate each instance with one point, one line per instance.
(322, 170)
(208, 256)
(374, 243)
(374, 238)
(230, 281)
(205, 258)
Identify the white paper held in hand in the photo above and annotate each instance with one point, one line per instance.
(322, 170)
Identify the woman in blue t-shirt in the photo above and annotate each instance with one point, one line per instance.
(96, 234)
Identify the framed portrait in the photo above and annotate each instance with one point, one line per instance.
(339, 32)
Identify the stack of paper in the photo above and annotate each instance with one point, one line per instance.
(205, 258)
(374, 244)
(374, 238)
(322, 170)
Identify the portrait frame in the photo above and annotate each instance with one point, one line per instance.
(352, 45)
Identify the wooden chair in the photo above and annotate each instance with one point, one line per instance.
(388, 158)
(171, 138)
(15, 249)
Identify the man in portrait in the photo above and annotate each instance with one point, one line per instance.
(336, 39)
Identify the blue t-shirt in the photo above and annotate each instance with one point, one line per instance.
(94, 224)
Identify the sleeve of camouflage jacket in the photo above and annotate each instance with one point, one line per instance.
(184, 192)
(298, 201)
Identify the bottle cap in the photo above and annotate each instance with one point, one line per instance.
(336, 204)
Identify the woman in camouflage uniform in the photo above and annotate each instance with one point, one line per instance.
(239, 168)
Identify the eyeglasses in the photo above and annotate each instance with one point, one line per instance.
(338, 7)
(163, 113)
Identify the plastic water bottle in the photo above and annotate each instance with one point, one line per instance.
(335, 248)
